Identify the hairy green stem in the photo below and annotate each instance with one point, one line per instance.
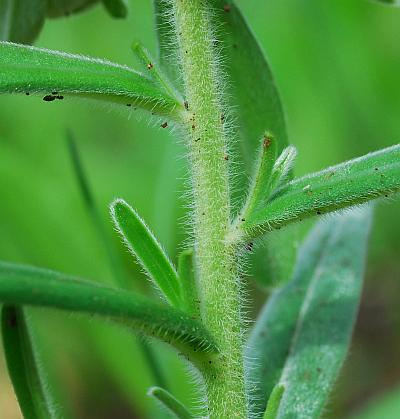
(216, 260)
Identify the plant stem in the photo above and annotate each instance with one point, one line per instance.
(216, 260)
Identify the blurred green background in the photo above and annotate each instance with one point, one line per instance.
(337, 65)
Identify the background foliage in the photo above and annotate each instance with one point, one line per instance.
(337, 65)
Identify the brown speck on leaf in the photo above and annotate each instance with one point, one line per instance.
(150, 66)
(27, 93)
(59, 97)
(164, 125)
(193, 126)
(49, 98)
(186, 105)
(197, 139)
(222, 118)
(226, 157)
(227, 8)
(129, 104)
(243, 219)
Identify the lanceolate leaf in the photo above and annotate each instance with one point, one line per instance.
(149, 253)
(38, 287)
(56, 75)
(21, 20)
(170, 403)
(24, 367)
(302, 335)
(345, 185)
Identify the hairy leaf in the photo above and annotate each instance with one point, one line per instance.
(39, 287)
(170, 403)
(148, 251)
(25, 69)
(21, 20)
(303, 333)
(26, 374)
(342, 186)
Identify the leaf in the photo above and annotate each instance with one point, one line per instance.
(303, 333)
(259, 189)
(347, 184)
(170, 403)
(25, 285)
(274, 401)
(145, 247)
(26, 374)
(116, 8)
(21, 20)
(25, 69)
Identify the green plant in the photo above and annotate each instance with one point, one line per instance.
(294, 353)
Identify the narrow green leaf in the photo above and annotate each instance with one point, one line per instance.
(283, 167)
(351, 183)
(154, 70)
(25, 285)
(302, 335)
(274, 401)
(116, 8)
(147, 250)
(26, 374)
(60, 8)
(259, 189)
(25, 69)
(21, 20)
(170, 403)
(187, 278)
